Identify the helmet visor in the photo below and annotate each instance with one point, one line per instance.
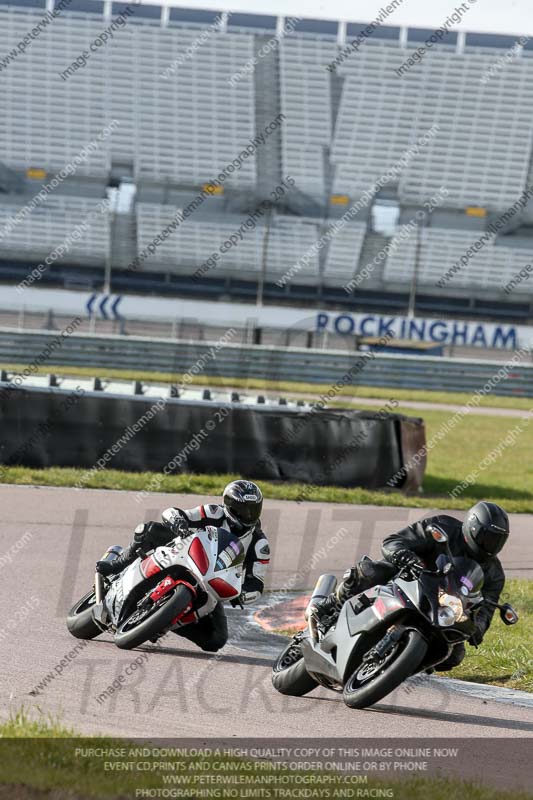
(490, 541)
(249, 513)
(245, 518)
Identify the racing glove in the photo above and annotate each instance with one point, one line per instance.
(477, 637)
(323, 609)
(105, 568)
(406, 559)
(176, 520)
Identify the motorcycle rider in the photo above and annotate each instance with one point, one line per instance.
(239, 513)
(480, 537)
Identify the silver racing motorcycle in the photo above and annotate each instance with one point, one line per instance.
(172, 587)
(385, 635)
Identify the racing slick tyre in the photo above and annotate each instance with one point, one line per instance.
(80, 622)
(147, 622)
(289, 675)
(373, 680)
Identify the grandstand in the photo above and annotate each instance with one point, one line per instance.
(192, 245)
(173, 132)
(81, 225)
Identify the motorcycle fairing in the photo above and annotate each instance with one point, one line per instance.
(344, 645)
(347, 640)
(178, 554)
(342, 648)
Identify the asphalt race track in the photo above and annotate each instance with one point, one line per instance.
(174, 689)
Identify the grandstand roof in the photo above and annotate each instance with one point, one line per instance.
(489, 23)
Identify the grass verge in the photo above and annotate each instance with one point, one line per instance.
(287, 387)
(500, 485)
(505, 657)
(43, 755)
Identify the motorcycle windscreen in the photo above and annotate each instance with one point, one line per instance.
(466, 578)
(230, 550)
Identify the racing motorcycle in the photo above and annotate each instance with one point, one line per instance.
(172, 587)
(385, 635)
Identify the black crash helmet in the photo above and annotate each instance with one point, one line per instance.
(486, 530)
(243, 503)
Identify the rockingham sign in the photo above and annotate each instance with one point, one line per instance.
(282, 318)
(444, 331)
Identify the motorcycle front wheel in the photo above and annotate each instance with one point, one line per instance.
(145, 623)
(80, 622)
(289, 675)
(374, 680)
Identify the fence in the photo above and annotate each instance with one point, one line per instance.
(262, 362)
(136, 433)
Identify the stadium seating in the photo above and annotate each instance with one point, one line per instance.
(183, 128)
(343, 254)
(482, 150)
(45, 121)
(305, 97)
(76, 223)
(177, 125)
(188, 126)
(195, 241)
(492, 267)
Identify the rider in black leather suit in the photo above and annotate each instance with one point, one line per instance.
(480, 537)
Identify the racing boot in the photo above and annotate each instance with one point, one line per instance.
(325, 613)
(112, 566)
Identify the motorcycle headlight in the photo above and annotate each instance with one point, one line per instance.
(450, 610)
(446, 616)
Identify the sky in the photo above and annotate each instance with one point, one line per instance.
(511, 17)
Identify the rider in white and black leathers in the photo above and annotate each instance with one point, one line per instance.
(480, 537)
(240, 513)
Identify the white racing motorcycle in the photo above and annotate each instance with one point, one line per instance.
(173, 587)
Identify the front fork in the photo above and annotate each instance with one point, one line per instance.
(100, 615)
(386, 645)
(99, 588)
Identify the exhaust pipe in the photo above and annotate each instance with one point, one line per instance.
(111, 554)
(98, 588)
(325, 585)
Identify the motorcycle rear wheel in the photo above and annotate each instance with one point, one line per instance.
(360, 691)
(80, 622)
(130, 634)
(289, 675)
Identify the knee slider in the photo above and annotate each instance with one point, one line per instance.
(140, 533)
(214, 645)
(366, 568)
